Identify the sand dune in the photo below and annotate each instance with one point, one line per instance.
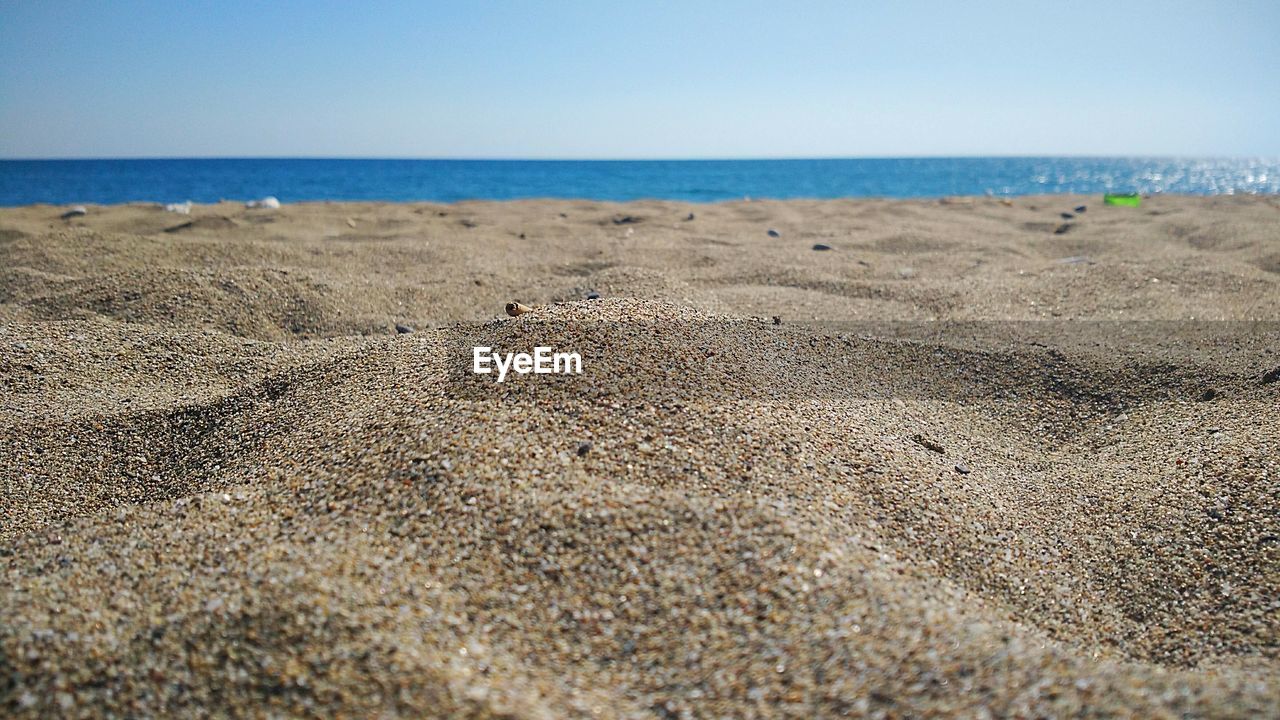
(959, 464)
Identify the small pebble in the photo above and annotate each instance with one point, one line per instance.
(403, 329)
(267, 203)
(962, 469)
(584, 448)
(774, 233)
(820, 246)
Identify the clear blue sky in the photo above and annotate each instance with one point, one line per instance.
(637, 79)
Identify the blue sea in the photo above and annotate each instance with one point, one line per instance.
(293, 180)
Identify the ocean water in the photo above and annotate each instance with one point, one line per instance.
(293, 180)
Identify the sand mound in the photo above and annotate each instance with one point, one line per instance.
(212, 223)
(252, 303)
(722, 516)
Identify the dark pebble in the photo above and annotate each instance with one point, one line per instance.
(626, 220)
(1081, 209)
(774, 233)
(1062, 229)
(1067, 216)
(689, 217)
(403, 329)
(820, 246)
(777, 319)
(963, 469)
(76, 211)
(1272, 376)
(1208, 395)
(928, 444)
(593, 295)
(584, 448)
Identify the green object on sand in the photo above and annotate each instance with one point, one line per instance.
(1127, 200)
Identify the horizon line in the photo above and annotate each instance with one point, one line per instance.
(712, 158)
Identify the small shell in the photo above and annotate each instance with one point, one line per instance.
(515, 308)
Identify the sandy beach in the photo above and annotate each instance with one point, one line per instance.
(870, 458)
